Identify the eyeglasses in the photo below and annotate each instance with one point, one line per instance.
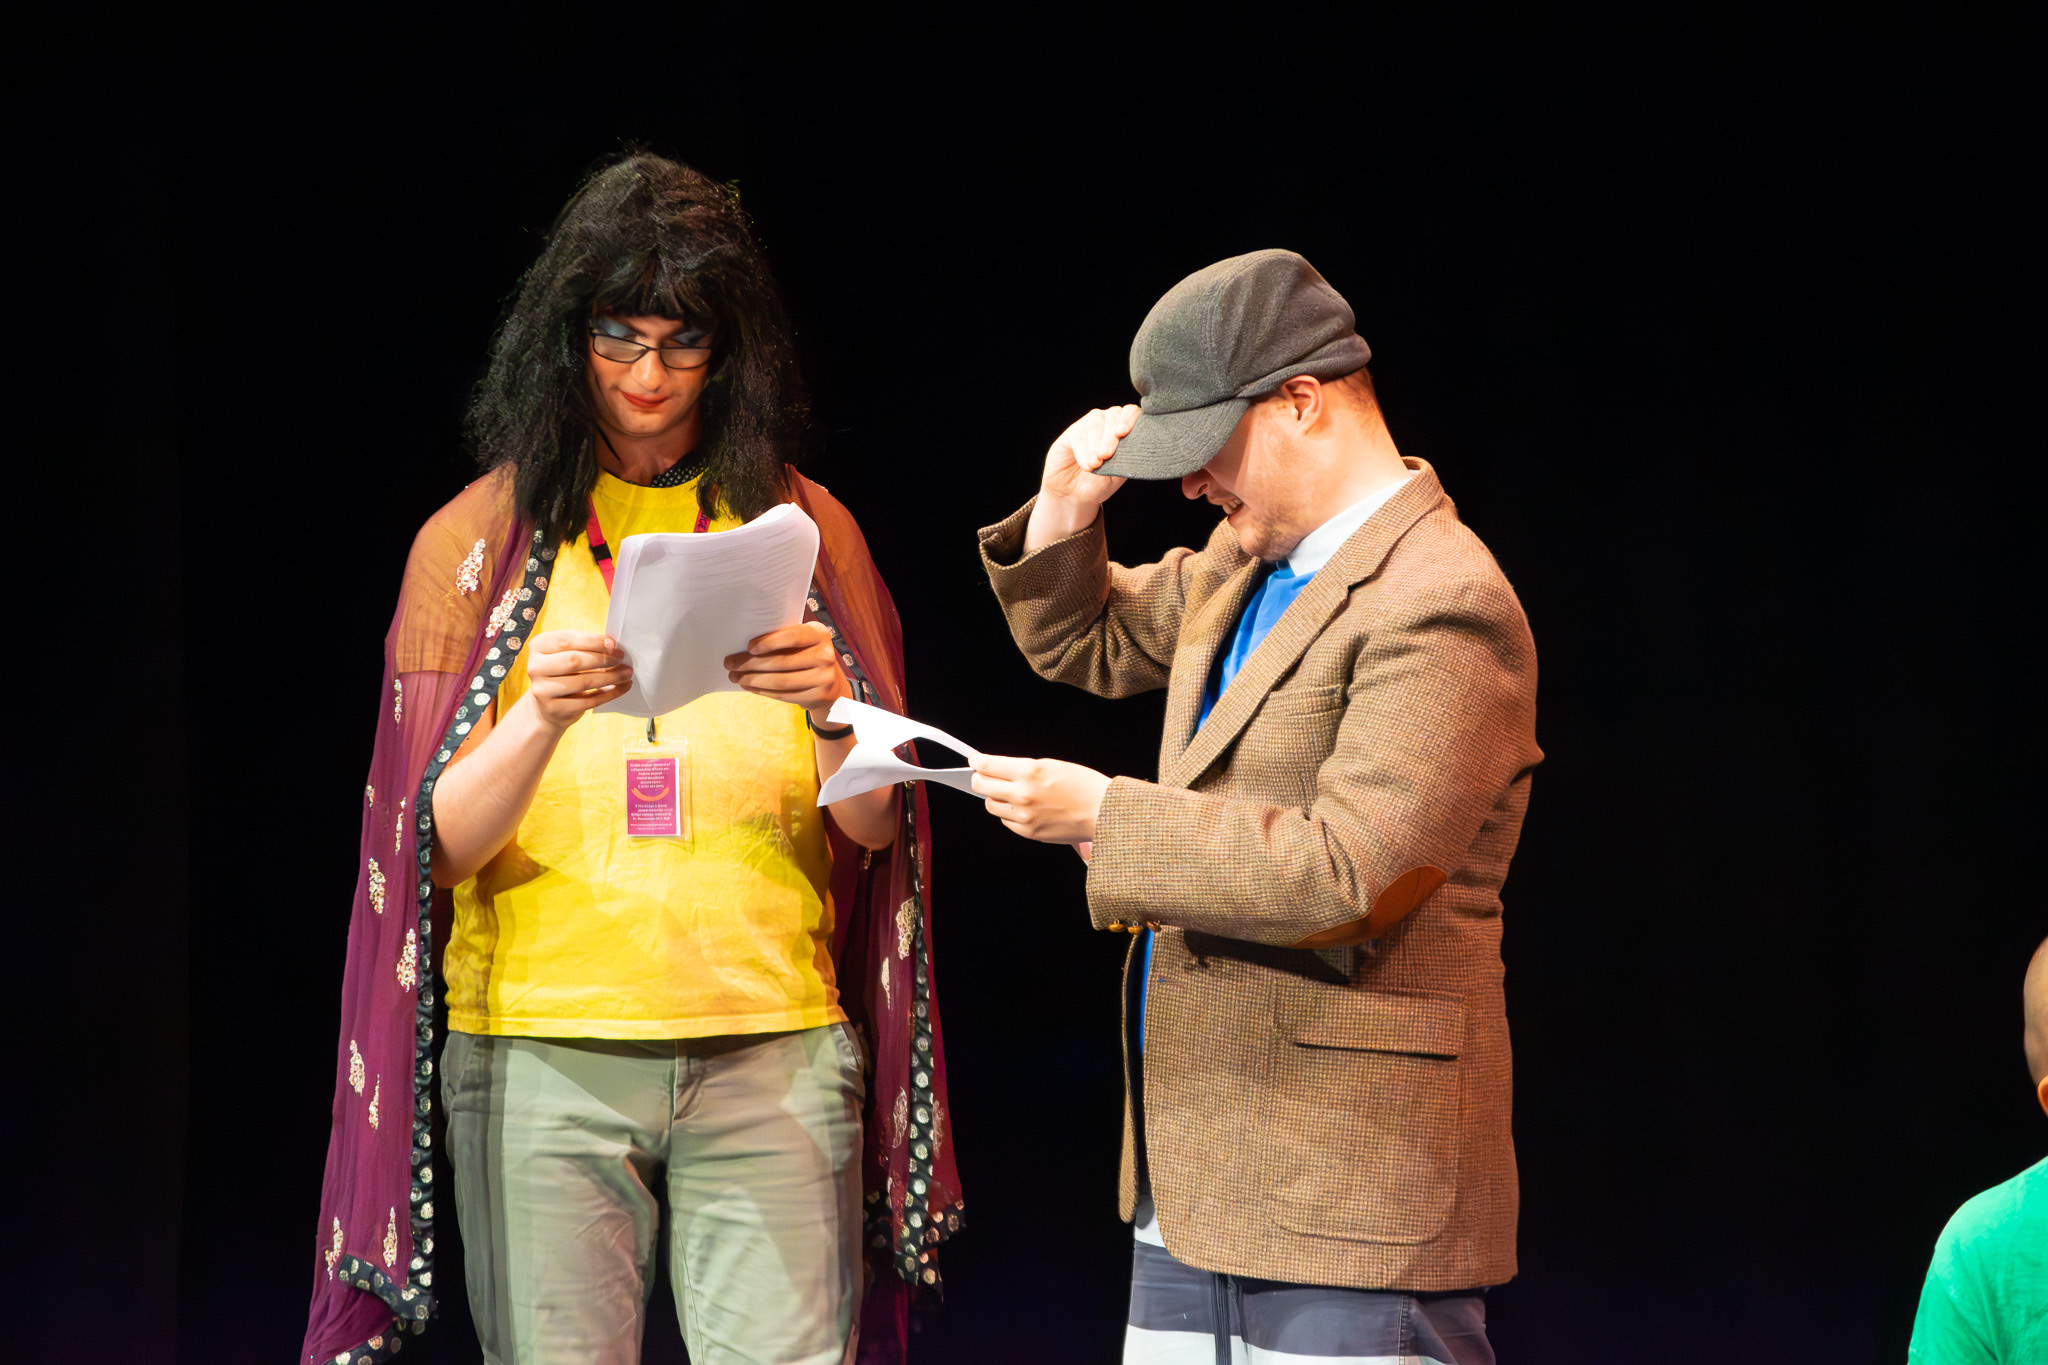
(628, 352)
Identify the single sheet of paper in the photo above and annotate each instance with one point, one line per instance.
(872, 765)
(682, 602)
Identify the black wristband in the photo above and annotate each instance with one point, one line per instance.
(834, 732)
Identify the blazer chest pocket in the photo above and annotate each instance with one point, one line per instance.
(1293, 731)
(1298, 701)
(1365, 1112)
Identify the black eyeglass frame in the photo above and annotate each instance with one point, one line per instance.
(641, 348)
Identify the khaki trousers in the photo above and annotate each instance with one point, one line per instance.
(557, 1146)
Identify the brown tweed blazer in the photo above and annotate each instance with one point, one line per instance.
(1325, 1085)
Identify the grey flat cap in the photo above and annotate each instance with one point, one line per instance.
(1227, 334)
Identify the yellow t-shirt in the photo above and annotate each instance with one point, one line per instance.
(576, 930)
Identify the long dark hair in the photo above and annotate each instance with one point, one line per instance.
(643, 236)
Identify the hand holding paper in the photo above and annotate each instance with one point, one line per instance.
(797, 664)
(1047, 799)
(1039, 798)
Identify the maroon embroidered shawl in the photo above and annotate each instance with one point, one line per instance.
(473, 585)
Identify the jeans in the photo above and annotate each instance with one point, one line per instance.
(559, 1145)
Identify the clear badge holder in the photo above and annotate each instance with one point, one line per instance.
(658, 787)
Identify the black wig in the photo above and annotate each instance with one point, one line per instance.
(644, 236)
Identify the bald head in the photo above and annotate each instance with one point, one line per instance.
(2035, 996)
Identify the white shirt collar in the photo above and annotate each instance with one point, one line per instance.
(1318, 545)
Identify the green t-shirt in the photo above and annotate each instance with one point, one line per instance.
(1986, 1297)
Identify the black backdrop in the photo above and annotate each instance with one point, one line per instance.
(1714, 324)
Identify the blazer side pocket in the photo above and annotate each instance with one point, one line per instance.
(1365, 1121)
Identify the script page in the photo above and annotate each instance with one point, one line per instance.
(873, 762)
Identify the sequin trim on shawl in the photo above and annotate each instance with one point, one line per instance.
(910, 1242)
(413, 1303)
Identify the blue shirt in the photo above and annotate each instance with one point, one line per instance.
(1274, 595)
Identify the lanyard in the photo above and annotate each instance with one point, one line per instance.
(602, 552)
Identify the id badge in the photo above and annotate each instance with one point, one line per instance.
(658, 789)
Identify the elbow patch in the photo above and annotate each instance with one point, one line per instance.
(1394, 903)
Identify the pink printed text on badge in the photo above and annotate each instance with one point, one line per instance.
(654, 805)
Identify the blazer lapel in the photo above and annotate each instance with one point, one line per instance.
(1297, 629)
(1194, 655)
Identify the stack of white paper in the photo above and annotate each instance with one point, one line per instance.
(682, 602)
